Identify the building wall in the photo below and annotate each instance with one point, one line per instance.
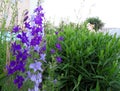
(22, 6)
(7, 12)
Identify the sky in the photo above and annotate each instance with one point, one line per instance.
(78, 10)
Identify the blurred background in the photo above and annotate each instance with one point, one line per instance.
(75, 11)
(78, 10)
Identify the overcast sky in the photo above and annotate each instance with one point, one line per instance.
(76, 10)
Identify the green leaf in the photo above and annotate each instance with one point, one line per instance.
(79, 80)
(97, 86)
(115, 84)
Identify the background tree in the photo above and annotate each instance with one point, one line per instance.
(96, 22)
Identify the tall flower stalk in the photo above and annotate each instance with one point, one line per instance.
(52, 81)
(29, 50)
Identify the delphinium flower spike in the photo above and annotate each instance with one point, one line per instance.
(29, 42)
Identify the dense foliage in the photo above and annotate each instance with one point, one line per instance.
(90, 61)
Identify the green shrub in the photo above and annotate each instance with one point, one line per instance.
(96, 21)
(90, 60)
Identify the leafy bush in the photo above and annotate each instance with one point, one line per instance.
(90, 60)
(96, 21)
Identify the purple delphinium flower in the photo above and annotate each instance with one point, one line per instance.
(56, 32)
(40, 86)
(15, 48)
(61, 38)
(52, 51)
(43, 49)
(55, 81)
(58, 46)
(38, 9)
(27, 25)
(30, 41)
(20, 66)
(16, 29)
(19, 63)
(36, 66)
(37, 78)
(58, 59)
(19, 81)
(37, 48)
(39, 17)
(36, 30)
(29, 35)
(11, 67)
(22, 55)
(28, 73)
(38, 20)
(42, 57)
(36, 40)
(16, 66)
(39, 29)
(23, 37)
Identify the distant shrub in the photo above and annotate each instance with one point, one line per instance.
(90, 60)
(98, 24)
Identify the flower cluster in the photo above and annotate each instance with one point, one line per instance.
(36, 78)
(52, 80)
(29, 46)
(57, 47)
